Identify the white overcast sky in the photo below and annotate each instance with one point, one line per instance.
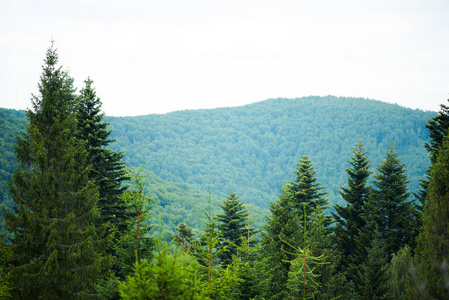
(160, 56)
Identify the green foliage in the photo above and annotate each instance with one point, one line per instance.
(389, 205)
(303, 281)
(233, 226)
(284, 231)
(57, 251)
(221, 279)
(432, 249)
(184, 235)
(349, 219)
(250, 149)
(172, 274)
(11, 124)
(255, 274)
(374, 277)
(402, 274)
(5, 276)
(108, 169)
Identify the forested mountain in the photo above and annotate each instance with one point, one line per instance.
(79, 205)
(252, 149)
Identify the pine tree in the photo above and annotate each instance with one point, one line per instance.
(233, 226)
(389, 206)
(108, 169)
(57, 250)
(432, 249)
(349, 218)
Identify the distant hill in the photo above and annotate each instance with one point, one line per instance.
(250, 149)
(254, 148)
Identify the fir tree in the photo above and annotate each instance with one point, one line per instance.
(389, 206)
(349, 218)
(432, 249)
(233, 226)
(108, 169)
(57, 250)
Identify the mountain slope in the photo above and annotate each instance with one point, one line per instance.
(254, 148)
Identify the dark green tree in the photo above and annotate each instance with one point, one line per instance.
(185, 235)
(431, 254)
(304, 188)
(389, 205)
(57, 250)
(349, 219)
(108, 168)
(233, 226)
(438, 127)
(373, 280)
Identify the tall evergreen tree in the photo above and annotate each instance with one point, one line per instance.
(284, 227)
(389, 205)
(349, 218)
(233, 226)
(438, 127)
(57, 250)
(108, 168)
(305, 188)
(432, 249)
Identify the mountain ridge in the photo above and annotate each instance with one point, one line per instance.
(235, 137)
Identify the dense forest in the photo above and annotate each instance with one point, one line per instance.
(78, 222)
(251, 149)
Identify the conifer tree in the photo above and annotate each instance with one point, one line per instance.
(373, 273)
(185, 235)
(349, 219)
(57, 250)
(108, 169)
(305, 188)
(389, 205)
(438, 127)
(281, 238)
(284, 226)
(432, 249)
(233, 226)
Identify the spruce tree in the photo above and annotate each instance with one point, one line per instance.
(432, 249)
(305, 188)
(349, 218)
(233, 226)
(389, 205)
(281, 237)
(108, 168)
(57, 250)
(284, 227)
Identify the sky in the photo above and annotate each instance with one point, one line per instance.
(149, 57)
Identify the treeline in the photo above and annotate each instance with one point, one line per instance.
(79, 224)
